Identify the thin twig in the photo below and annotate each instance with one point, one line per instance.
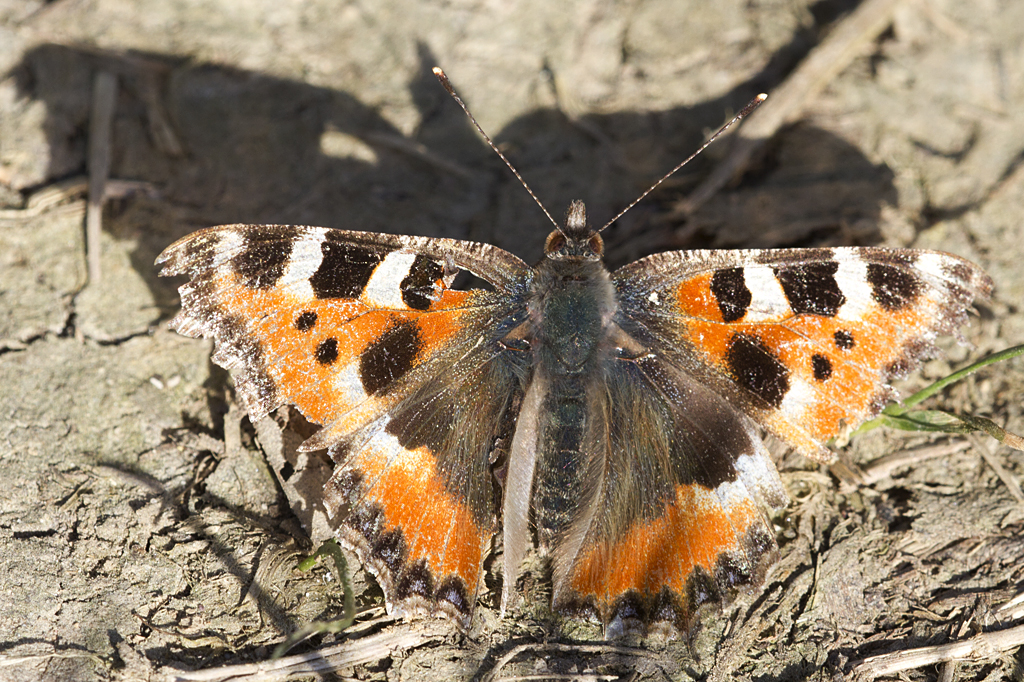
(420, 151)
(23, 662)
(69, 193)
(572, 648)
(345, 655)
(883, 467)
(789, 101)
(1008, 479)
(1013, 609)
(104, 98)
(569, 677)
(980, 647)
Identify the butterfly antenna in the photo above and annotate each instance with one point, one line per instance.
(745, 111)
(451, 91)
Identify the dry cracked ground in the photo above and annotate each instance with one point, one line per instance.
(145, 529)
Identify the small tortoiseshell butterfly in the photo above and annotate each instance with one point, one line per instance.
(622, 407)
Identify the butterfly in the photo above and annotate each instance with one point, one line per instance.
(611, 418)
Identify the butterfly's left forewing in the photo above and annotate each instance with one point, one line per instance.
(803, 340)
(362, 333)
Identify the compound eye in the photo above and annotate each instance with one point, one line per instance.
(596, 244)
(555, 242)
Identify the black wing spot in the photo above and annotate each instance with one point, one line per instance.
(390, 549)
(812, 288)
(305, 321)
(892, 287)
(731, 292)
(453, 591)
(416, 581)
(844, 339)
(367, 520)
(265, 256)
(755, 368)
(388, 358)
(344, 270)
(700, 589)
(327, 351)
(418, 286)
(822, 367)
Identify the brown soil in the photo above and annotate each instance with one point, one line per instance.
(142, 527)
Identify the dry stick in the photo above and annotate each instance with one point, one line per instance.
(980, 647)
(881, 468)
(145, 75)
(570, 648)
(788, 102)
(947, 671)
(329, 659)
(1008, 479)
(1013, 609)
(567, 677)
(420, 151)
(23, 662)
(104, 97)
(67, 195)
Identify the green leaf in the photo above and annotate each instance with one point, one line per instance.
(901, 416)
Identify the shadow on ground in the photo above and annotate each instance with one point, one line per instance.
(259, 149)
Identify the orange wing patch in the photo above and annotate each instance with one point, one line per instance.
(313, 347)
(705, 541)
(312, 320)
(333, 325)
(420, 540)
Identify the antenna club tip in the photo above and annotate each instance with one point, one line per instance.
(760, 98)
(438, 72)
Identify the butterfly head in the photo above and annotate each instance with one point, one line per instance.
(577, 240)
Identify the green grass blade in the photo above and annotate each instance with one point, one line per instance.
(328, 548)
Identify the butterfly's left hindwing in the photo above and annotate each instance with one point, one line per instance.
(677, 485)
(361, 332)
